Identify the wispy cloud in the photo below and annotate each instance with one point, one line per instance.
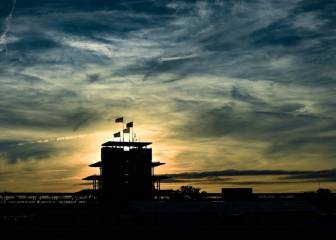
(328, 174)
(3, 36)
(224, 84)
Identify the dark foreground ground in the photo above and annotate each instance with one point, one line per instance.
(263, 218)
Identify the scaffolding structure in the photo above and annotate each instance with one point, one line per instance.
(126, 172)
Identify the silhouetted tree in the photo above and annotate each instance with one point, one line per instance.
(190, 193)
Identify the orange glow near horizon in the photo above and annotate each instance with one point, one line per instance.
(65, 171)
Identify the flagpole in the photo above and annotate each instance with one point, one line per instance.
(122, 130)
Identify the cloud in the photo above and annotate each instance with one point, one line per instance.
(326, 175)
(236, 83)
(13, 152)
(7, 25)
(230, 173)
(176, 58)
(236, 177)
(92, 78)
(73, 118)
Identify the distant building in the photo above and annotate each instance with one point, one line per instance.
(126, 172)
(237, 193)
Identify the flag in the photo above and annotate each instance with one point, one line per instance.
(126, 130)
(116, 135)
(119, 119)
(129, 125)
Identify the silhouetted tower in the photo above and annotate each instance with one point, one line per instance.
(126, 172)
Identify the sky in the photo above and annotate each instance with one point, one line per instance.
(231, 93)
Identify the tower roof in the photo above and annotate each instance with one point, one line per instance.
(155, 164)
(96, 164)
(126, 144)
(92, 177)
